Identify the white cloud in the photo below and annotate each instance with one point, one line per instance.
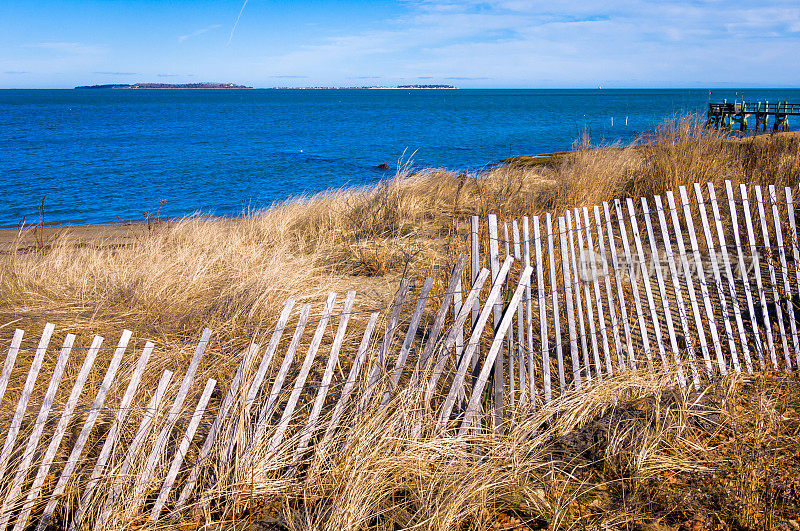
(198, 32)
(71, 48)
(581, 41)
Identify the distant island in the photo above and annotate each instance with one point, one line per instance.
(426, 86)
(370, 87)
(167, 86)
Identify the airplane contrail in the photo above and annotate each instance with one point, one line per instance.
(237, 22)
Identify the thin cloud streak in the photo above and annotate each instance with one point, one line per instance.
(237, 22)
(198, 32)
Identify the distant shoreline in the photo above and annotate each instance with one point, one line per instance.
(182, 86)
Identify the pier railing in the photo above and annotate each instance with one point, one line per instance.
(690, 285)
(726, 114)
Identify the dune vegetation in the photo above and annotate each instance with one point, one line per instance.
(633, 453)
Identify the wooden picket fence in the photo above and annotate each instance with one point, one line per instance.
(595, 309)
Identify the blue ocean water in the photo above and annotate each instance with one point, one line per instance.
(108, 155)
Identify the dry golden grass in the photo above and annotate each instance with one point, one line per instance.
(633, 453)
(233, 275)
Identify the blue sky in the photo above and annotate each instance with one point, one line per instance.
(494, 43)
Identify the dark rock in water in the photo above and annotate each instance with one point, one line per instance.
(383, 166)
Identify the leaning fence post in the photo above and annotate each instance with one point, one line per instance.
(38, 427)
(632, 276)
(784, 272)
(576, 286)
(22, 404)
(676, 287)
(554, 296)
(795, 252)
(58, 434)
(143, 479)
(186, 440)
(772, 278)
(698, 262)
(648, 289)
(737, 312)
(743, 272)
(113, 435)
(587, 295)
(11, 358)
(687, 272)
(717, 277)
(615, 265)
(573, 334)
(477, 391)
(757, 271)
(662, 291)
(601, 318)
(83, 437)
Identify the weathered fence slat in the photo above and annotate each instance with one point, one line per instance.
(11, 359)
(143, 480)
(601, 318)
(112, 436)
(458, 300)
(743, 272)
(133, 449)
(609, 293)
(258, 378)
(58, 434)
(676, 286)
(474, 340)
(615, 265)
(795, 252)
(784, 272)
(687, 273)
(737, 312)
(473, 407)
(757, 271)
(772, 277)
(327, 378)
(526, 261)
(573, 334)
(408, 341)
(83, 437)
(475, 267)
(543, 332)
(494, 264)
(438, 321)
(576, 288)
(22, 404)
(460, 319)
(277, 385)
(556, 313)
(717, 277)
(38, 427)
(512, 394)
(648, 289)
(300, 381)
(632, 276)
(662, 291)
(587, 295)
(350, 383)
(701, 279)
(391, 328)
(227, 402)
(186, 440)
(521, 358)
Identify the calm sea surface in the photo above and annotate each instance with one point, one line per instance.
(104, 155)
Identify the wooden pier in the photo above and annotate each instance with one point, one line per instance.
(726, 114)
